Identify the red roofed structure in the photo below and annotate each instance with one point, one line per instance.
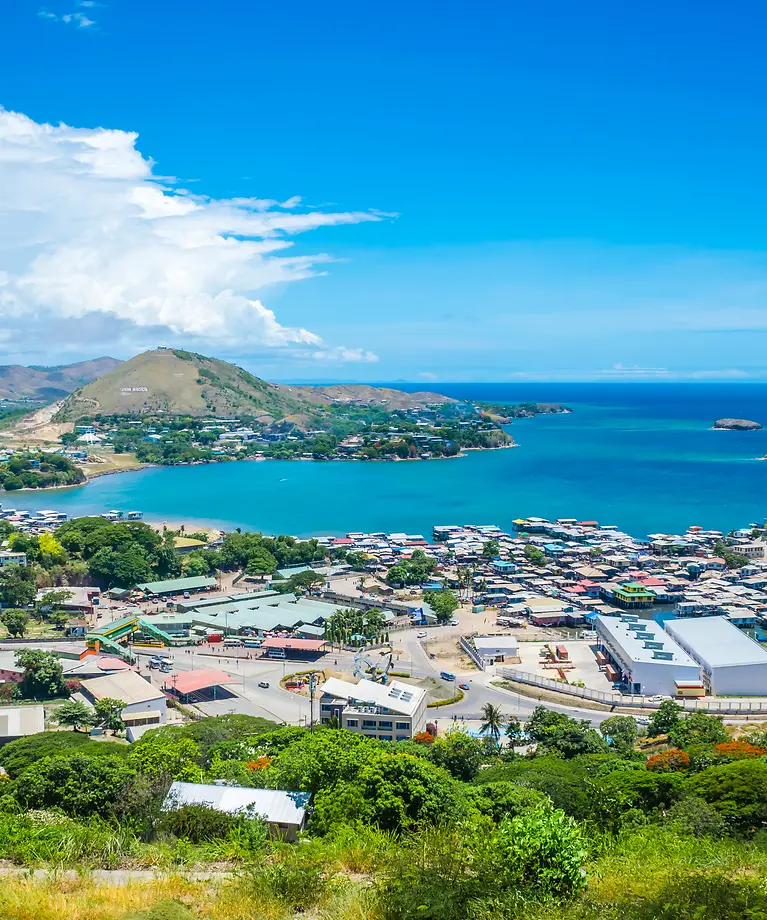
(208, 683)
(277, 647)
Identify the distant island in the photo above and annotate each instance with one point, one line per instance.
(737, 424)
(171, 407)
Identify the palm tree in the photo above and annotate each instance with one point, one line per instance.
(492, 721)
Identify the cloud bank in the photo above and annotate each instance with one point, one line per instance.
(95, 247)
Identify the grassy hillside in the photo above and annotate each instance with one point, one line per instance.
(179, 383)
(49, 383)
(184, 383)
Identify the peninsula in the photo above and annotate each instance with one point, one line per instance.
(169, 407)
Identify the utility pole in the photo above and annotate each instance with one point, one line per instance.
(311, 702)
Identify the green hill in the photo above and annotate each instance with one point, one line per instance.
(184, 383)
(179, 383)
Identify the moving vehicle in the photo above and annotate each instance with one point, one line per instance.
(464, 687)
(446, 675)
(420, 635)
(232, 643)
(165, 667)
(252, 643)
(155, 663)
(263, 684)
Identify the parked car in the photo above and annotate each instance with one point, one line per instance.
(454, 622)
(263, 684)
(420, 635)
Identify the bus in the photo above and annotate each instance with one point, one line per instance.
(232, 643)
(446, 675)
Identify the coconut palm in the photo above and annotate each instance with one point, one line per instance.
(493, 721)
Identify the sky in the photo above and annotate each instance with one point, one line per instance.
(388, 191)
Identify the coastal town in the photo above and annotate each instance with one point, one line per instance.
(576, 610)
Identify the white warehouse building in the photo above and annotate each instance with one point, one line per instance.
(732, 664)
(649, 660)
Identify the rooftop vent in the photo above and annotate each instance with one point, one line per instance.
(663, 656)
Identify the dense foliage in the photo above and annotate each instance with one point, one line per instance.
(38, 471)
(581, 826)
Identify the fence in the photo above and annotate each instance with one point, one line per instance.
(632, 701)
(472, 653)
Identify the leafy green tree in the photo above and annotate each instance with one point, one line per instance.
(50, 602)
(534, 555)
(698, 728)
(392, 792)
(492, 721)
(320, 759)
(458, 753)
(620, 732)
(504, 799)
(122, 568)
(692, 815)
(556, 732)
(18, 586)
(17, 755)
(514, 732)
(490, 550)
(738, 791)
(163, 752)
(79, 785)
(443, 602)
(664, 719)
(261, 562)
(75, 715)
(43, 676)
(109, 713)
(302, 582)
(15, 621)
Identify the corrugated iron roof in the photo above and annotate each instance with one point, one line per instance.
(274, 805)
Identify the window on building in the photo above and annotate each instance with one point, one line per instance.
(352, 723)
(403, 738)
(384, 737)
(403, 726)
(326, 707)
(383, 724)
(369, 723)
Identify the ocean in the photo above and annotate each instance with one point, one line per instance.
(640, 456)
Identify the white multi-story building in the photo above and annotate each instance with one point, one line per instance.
(732, 664)
(649, 660)
(388, 712)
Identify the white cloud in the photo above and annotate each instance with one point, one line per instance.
(78, 19)
(92, 241)
(339, 354)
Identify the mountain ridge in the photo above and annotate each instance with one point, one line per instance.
(47, 384)
(178, 382)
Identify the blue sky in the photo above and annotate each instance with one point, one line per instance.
(509, 191)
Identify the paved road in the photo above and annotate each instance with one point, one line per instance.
(281, 705)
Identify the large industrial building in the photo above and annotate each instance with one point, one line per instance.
(648, 660)
(731, 663)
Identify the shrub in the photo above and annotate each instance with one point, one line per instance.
(198, 823)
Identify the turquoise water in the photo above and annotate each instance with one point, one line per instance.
(642, 457)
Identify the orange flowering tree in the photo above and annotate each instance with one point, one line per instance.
(423, 738)
(669, 761)
(260, 763)
(738, 750)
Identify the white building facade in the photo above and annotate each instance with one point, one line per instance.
(649, 660)
(388, 712)
(732, 664)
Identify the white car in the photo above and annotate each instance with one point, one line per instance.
(642, 720)
(420, 635)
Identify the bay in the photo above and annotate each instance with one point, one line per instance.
(640, 456)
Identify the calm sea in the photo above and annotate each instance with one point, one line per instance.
(641, 456)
